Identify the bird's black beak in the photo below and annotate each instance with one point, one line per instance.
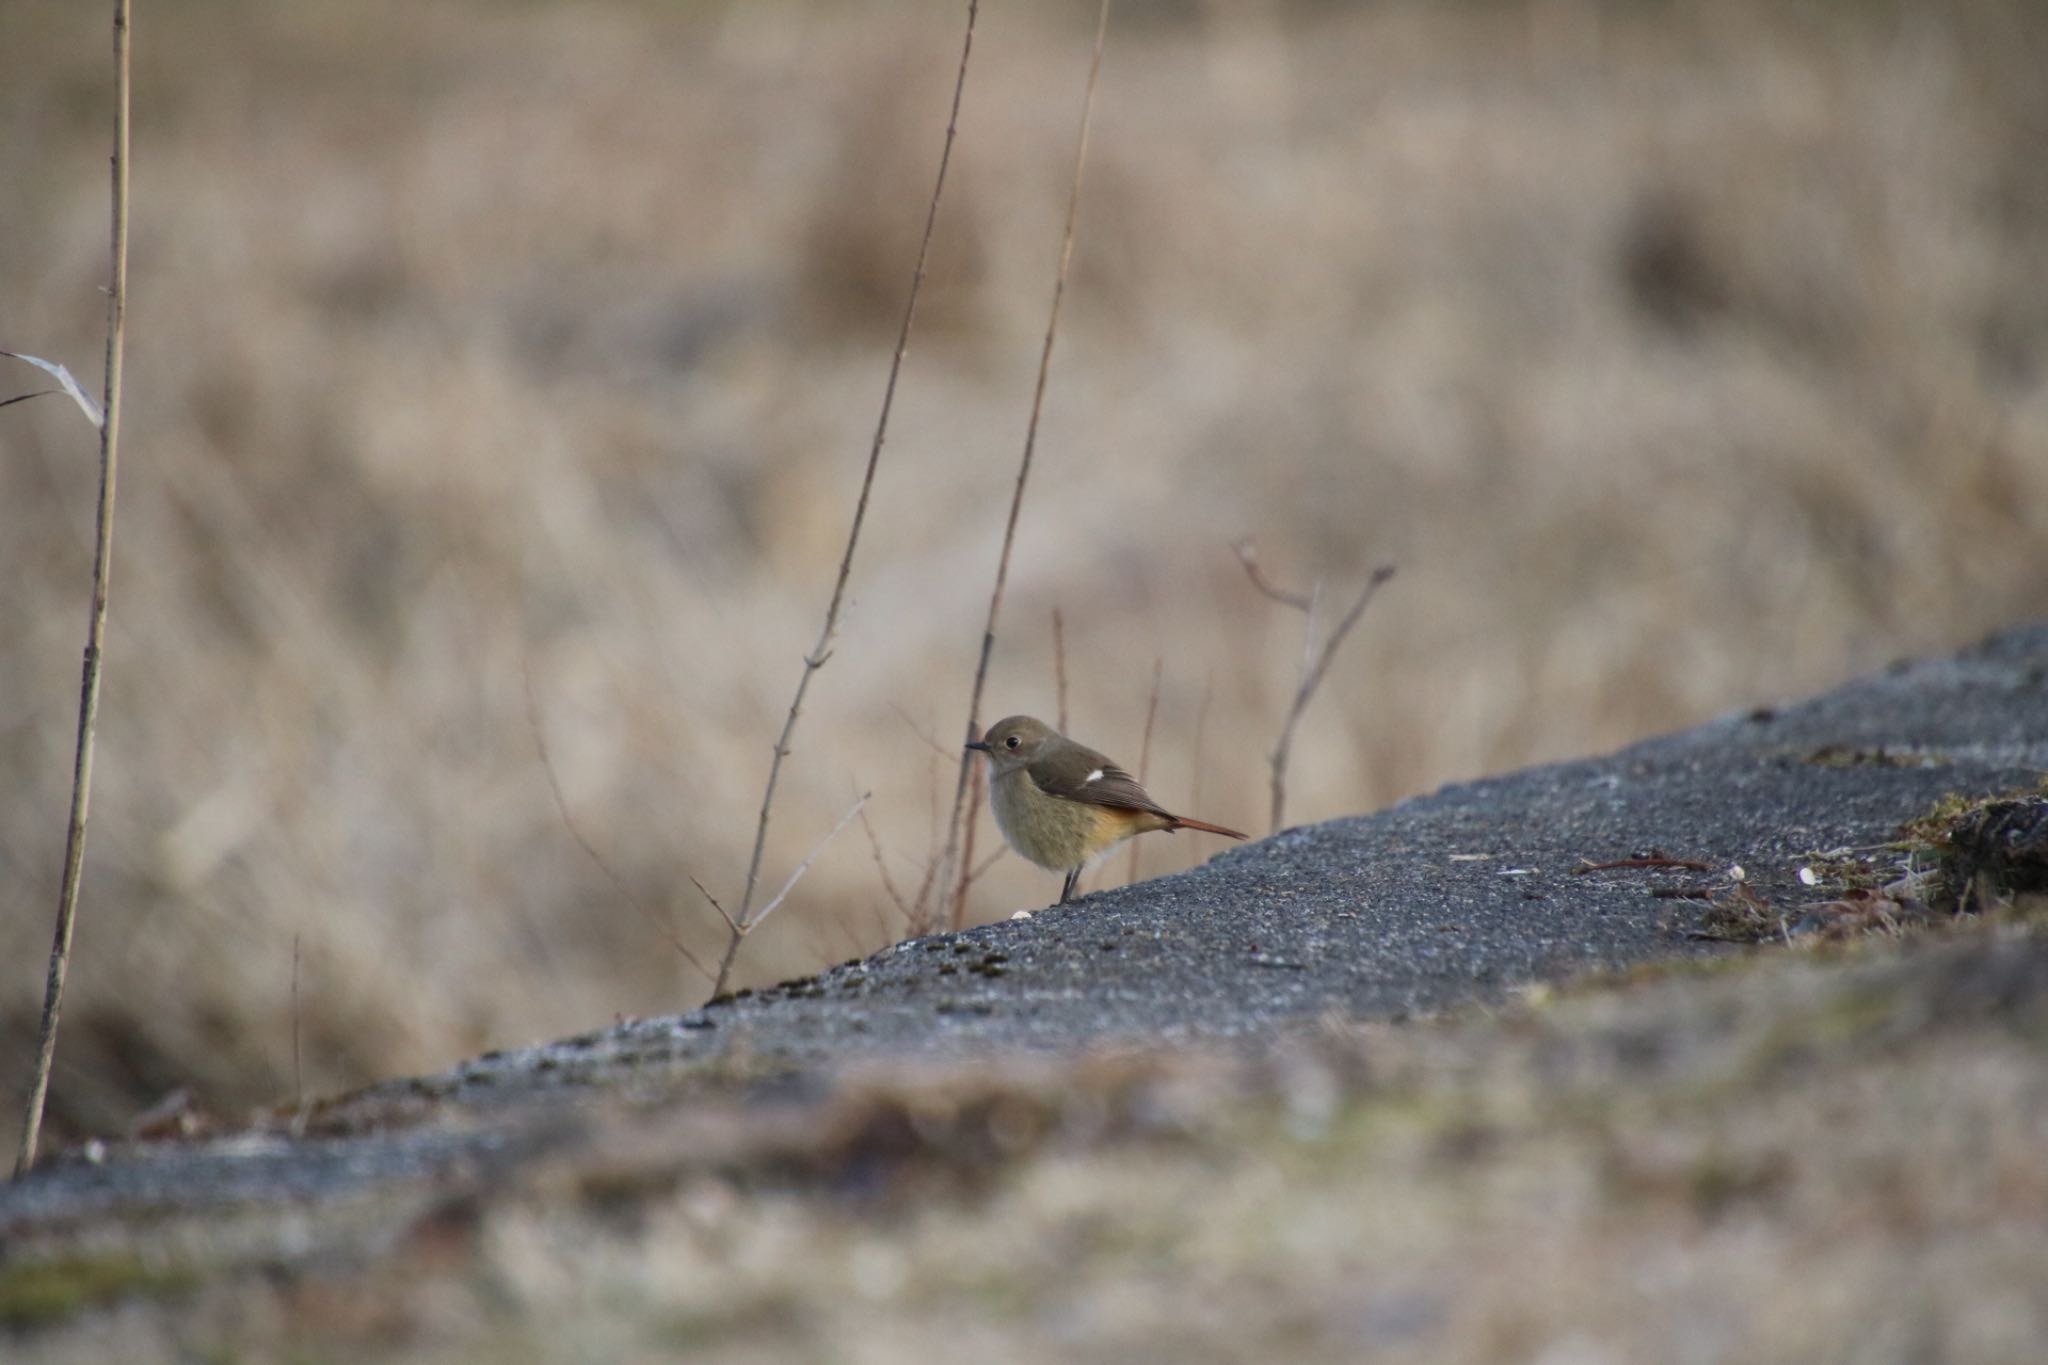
(980, 745)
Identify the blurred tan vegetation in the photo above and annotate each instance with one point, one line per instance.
(1683, 356)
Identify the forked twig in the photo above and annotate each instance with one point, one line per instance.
(960, 824)
(96, 629)
(705, 892)
(1315, 659)
(745, 920)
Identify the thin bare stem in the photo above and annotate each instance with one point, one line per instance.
(568, 818)
(960, 824)
(882, 866)
(820, 652)
(298, 1067)
(1330, 646)
(923, 734)
(1145, 754)
(1201, 734)
(705, 892)
(805, 866)
(1315, 659)
(96, 629)
(966, 879)
(1311, 628)
(1247, 555)
(929, 881)
(1059, 666)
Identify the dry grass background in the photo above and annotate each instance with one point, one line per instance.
(1683, 356)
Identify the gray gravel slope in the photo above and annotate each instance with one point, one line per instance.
(1444, 900)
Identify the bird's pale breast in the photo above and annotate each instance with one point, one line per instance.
(1057, 834)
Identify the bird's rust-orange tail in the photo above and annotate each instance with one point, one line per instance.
(1182, 822)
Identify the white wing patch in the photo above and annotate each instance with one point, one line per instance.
(1095, 776)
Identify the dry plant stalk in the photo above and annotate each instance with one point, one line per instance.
(1315, 659)
(300, 1112)
(1059, 666)
(882, 867)
(298, 1062)
(1145, 754)
(744, 922)
(96, 630)
(1201, 735)
(741, 927)
(953, 889)
(959, 850)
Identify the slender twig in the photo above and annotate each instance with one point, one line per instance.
(96, 629)
(960, 824)
(1145, 754)
(298, 1067)
(958, 895)
(805, 866)
(1314, 680)
(300, 1113)
(882, 866)
(1247, 555)
(923, 734)
(1059, 666)
(1201, 734)
(1315, 658)
(583, 841)
(1652, 860)
(723, 913)
(1311, 629)
(813, 938)
(815, 660)
(925, 884)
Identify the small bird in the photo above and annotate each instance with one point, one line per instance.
(1061, 804)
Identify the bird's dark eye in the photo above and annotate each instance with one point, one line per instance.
(1011, 742)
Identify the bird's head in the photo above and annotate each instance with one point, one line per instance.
(1015, 741)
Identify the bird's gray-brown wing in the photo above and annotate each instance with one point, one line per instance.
(1084, 775)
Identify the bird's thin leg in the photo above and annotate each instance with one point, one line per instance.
(1067, 891)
